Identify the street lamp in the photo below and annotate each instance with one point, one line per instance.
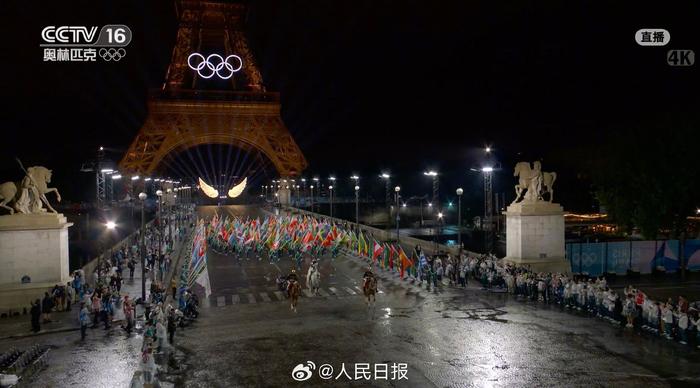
(357, 207)
(437, 243)
(330, 190)
(312, 197)
(436, 186)
(110, 225)
(315, 179)
(167, 213)
(387, 182)
(459, 219)
(142, 197)
(159, 193)
(396, 190)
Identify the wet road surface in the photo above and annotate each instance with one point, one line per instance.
(448, 338)
(451, 337)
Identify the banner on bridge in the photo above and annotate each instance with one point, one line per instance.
(639, 256)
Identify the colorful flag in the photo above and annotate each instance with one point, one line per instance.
(361, 246)
(378, 250)
(404, 261)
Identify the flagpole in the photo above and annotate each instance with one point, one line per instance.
(397, 189)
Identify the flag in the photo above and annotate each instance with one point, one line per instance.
(328, 240)
(203, 280)
(392, 253)
(353, 241)
(385, 259)
(362, 245)
(378, 250)
(404, 261)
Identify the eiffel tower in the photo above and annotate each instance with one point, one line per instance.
(191, 109)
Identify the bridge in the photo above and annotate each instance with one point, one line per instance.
(214, 209)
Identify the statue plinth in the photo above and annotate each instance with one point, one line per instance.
(35, 245)
(284, 195)
(535, 236)
(21, 221)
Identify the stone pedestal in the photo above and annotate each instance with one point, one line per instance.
(285, 196)
(535, 236)
(35, 245)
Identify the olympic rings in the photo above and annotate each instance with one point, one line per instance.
(112, 54)
(214, 67)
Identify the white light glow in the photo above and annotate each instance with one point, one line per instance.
(116, 176)
(487, 169)
(208, 190)
(111, 225)
(238, 189)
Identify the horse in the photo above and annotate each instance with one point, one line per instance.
(370, 290)
(524, 173)
(313, 279)
(8, 191)
(294, 292)
(33, 190)
(548, 179)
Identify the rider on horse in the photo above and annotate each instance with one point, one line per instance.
(365, 278)
(291, 279)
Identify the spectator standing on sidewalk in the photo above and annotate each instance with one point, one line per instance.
(35, 313)
(84, 319)
(172, 325)
(132, 266)
(46, 306)
(173, 285)
(78, 285)
(95, 309)
(683, 327)
(128, 314)
(70, 296)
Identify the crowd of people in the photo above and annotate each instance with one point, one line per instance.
(630, 307)
(100, 296)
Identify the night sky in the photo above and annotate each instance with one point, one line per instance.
(374, 85)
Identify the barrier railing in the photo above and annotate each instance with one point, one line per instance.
(637, 256)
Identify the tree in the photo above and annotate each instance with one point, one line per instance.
(649, 179)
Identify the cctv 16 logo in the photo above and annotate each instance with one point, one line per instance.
(110, 35)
